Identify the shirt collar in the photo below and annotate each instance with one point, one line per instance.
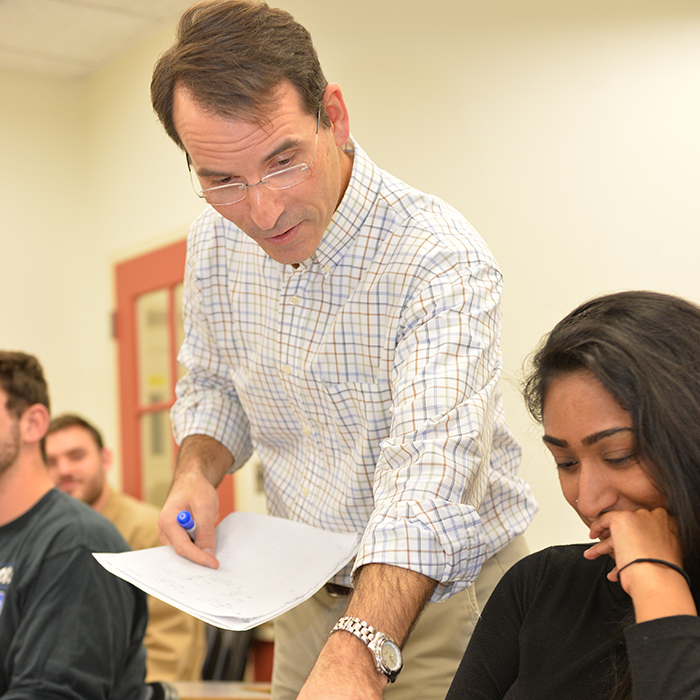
(357, 203)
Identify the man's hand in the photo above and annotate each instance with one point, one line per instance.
(202, 463)
(390, 599)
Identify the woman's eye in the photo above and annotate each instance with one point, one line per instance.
(621, 461)
(567, 465)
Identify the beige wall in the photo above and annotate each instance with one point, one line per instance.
(566, 131)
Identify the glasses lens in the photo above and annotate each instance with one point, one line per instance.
(221, 196)
(287, 178)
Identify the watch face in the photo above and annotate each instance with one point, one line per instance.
(391, 655)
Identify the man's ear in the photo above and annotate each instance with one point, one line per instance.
(34, 423)
(337, 112)
(107, 459)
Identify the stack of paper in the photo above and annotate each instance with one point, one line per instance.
(267, 565)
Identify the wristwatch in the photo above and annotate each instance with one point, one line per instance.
(387, 653)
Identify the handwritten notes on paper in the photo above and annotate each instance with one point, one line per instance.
(267, 565)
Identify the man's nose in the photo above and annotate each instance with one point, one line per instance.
(265, 206)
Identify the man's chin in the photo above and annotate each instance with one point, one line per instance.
(293, 254)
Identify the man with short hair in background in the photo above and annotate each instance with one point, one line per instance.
(68, 628)
(78, 463)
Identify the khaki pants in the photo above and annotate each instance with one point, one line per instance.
(431, 655)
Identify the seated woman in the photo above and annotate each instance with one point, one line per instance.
(616, 386)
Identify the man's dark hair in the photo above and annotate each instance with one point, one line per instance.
(22, 379)
(71, 420)
(232, 56)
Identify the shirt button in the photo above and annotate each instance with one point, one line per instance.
(306, 430)
(305, 492)
(287, 369)
(327, 269)
(294, 300)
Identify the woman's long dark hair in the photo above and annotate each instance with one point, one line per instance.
(644, 347)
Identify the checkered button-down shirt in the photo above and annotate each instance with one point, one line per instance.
(365, 378)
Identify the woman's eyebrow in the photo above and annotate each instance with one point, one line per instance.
(588, 440)
(549, 440)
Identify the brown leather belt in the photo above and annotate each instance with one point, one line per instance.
(335, 590)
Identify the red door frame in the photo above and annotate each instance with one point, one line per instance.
(158, 269)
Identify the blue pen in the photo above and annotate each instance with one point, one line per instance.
(184, 518)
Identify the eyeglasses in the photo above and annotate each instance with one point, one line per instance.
(222, 195)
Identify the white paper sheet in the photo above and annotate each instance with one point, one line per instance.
(267, 565)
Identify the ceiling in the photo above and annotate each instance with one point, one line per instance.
(71, 38)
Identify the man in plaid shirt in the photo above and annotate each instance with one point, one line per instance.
(346, 327)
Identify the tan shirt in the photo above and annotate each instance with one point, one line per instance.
(175, 642)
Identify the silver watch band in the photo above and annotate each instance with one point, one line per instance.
(386, 652)
(358, 627)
